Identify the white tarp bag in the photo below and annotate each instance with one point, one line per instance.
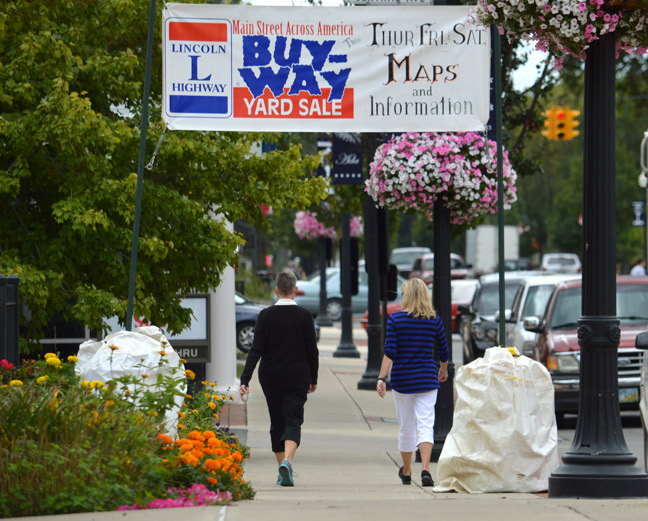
(139, 352)
(504, 436)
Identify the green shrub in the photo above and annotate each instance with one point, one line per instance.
(75, 446)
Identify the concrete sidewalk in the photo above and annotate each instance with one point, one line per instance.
(348, 461)
(346, 467)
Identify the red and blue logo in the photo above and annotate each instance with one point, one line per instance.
(199, 59)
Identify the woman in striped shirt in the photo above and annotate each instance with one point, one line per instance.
(415, 379)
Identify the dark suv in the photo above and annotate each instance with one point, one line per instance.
(478, 320)
(558, 348)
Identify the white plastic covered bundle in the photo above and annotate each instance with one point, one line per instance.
(504, 436)
(144, 351)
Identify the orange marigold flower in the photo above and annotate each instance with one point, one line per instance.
(190, 459)
(187, 447)
(213, 442)
(213, 464)
(164, 438)
(208, 435)
(237, 456)
(195, 435)
(211, 480)
(198, 453)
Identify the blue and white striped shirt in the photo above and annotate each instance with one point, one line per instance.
(409, 344)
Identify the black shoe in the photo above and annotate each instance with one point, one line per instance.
(406, 480)
(426, 479)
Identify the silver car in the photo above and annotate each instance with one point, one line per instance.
(529, 301)
(308, 293)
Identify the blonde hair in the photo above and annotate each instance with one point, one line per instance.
(416, 299)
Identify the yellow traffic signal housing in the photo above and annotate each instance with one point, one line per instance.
(550, 123)
(570, 124)
(560, 123)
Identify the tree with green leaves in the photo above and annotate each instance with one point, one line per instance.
(71, 76)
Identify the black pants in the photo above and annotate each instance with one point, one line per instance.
(286, 408)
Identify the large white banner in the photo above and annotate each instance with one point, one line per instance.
(351, 69)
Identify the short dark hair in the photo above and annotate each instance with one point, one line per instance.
(286, 283)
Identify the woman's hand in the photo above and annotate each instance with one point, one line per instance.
(381, 387)
(443, 375)
(244, 391)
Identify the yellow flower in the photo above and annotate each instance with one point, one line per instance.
(163, 353)
(231, 398)
(73, 358)
(165, 341)
(113, 347)
(183, 360)
(216, 416)
(195, 411)
(42, 379)
(190, 374)
(47, 355)
(189, 396)
(54, 361)
(96, 384)
(144, 375)
(15, 383)
(85, 384)
(109, 403)
(212, 405)
(216, 397)
(181, 426)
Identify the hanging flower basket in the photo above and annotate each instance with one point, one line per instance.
(308, 227)
(568, 27)
(357, 227)
(415, 170)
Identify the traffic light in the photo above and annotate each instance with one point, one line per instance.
(560, 123)
(550, 123)
(570, 124)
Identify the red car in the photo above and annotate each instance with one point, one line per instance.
(558, 348)
(424, 268)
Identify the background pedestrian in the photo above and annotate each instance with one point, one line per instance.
(639, 268)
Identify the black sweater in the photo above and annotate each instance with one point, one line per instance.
(285, 342)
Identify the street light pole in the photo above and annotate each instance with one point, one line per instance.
(323, 320)
(346, 348)
(599, 464)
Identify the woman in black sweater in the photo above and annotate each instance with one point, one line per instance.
(285, 343)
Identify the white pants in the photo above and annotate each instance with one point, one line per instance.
(415, 414)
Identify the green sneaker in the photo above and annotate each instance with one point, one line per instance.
(285, 474)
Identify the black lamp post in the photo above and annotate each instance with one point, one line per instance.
(374, 327)
(442, 303)
(323, 320)
(598, 463)
(346, 348)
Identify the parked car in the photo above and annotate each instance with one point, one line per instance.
(641, 342)
(530, 300)
(561, 263)
(558, 347)
(247, 312)
(478, 325)
(462, 292)
(308, 293)
(404, 258)
(424, 267)
(518, 264)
